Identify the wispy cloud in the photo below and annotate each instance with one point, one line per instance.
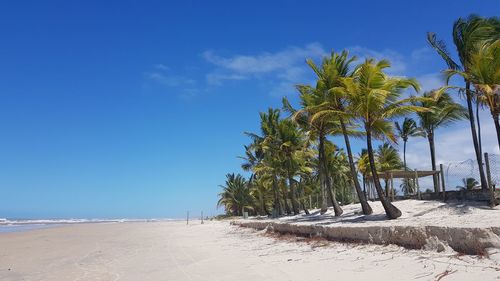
(453, 144)
(430, 81)
(185, 87)
(282, 69)
(170, 80)
(398, 61)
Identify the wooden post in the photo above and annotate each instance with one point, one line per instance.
(490, 183)
(187, 218)
(201, 217)
(417, 185)
(443, 187)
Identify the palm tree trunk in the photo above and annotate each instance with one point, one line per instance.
(430, 138)
(387, 191)
(404, 155)
(295, 204)
(477, 149)
(285, 199)
(304, 207)
(367, 210)
(277, 203)
(336, 207)
(497, 127)
(390, 210)
(322, 175)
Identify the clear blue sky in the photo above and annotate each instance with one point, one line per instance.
(137, 108)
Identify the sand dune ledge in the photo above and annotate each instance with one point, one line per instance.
(466, 227)
(215, 251)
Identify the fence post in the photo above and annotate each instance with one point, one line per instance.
(417, 185)
(490, 183)
(443, 187)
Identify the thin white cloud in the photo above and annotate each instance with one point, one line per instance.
(398, 61)
(281, 70)
(453, 144)
(431, 81)
(219, 78)
(170, 80)
(266, 62)
(423, 54)
(185, 87)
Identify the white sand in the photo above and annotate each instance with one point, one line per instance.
(214, 251)
(414, 213)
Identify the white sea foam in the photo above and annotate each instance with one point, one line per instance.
(74, 221)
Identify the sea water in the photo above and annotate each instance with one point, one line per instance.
(20, 225)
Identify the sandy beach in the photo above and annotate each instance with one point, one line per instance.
(215, 251)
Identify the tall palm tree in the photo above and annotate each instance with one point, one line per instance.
(375, 98)
(467, 36)
(292, 146)
(310, 99)
(330, 74)
(254, 156)
(340, 175)
(387, 159)
(443, 111)
(407, 129)
(270, 167)
(235, 195)
(484, 74)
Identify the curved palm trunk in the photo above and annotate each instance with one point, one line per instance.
(293, 195)
(322, 175)
(390, 210)
(336, 207)
(430, 138)
(277, 203)
(497, 127)
(285, 199)
(477, 149)
(367, 210)
(304, 206)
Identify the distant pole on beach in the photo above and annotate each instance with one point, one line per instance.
(187, 218)
(201, 217)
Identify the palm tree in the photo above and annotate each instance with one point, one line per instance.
(269, 168)
(291, 144)
(364, 168)
(468, 34)
(388, 160)
(235, 195)
(484, 75)
(340, 175)
(254, 156)
(317, 129)
(408, 129)
(375, 99)
(330, 74)
(408, 186)
(469, 183)
(443, 111)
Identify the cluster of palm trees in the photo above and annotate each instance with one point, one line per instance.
(293, 161)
